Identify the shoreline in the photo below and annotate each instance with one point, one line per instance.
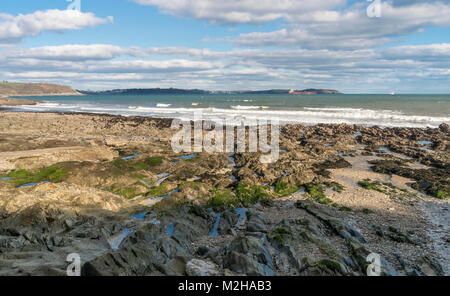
(7, 101)
(3, 109)
(307, 113)
(17, 100)
(98, 175)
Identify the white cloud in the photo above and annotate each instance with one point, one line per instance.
(439, 53)
(240, 11)
(351, 28)
(14, 28)
(102, 66)
(75, 52)
(327, 24)
(305, 39)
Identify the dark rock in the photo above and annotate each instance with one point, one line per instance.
(324, 267)
(248, 255)
(202, 251)
(256, 227)
(227, 222)
(430, 266)
(360, 255)
(445, 128)
(339, 227)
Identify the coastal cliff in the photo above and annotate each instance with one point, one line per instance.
(8, 89)
(34, 89)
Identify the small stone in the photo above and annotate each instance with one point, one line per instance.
(202, 251)
(197, 267)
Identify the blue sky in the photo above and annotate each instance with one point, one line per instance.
(238, 44)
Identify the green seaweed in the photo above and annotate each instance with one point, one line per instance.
(367, 211)
(158, 191)
(281, 235)
(154, 161)
(334, 186)
(345, 209)
(243, 195)
(284, 189)
(250, 194)
(443, 194)
(138, 176)
(329, 264)
(126, 166)
(127, 192)
(369, 185)
(223, 199)
(315, 190)
(54, 174)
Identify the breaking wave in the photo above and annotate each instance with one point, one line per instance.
(309, 116)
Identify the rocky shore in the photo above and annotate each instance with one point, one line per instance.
(112, 190)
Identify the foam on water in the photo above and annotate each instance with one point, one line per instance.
(286, 109)
(238, 107)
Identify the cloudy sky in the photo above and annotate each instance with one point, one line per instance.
(395, 45)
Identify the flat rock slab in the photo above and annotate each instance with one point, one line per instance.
(31, 159)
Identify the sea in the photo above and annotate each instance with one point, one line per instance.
(369, 110)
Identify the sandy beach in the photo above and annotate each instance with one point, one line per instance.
(111, 189)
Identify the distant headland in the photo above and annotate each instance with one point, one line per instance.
(34, 89)
(175, 91)
(8, 89)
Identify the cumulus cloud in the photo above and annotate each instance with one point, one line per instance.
(102, 66)
(240, 11)
(14, 28)
(352, 28)
(332, 24)
(439, 53)
(76, 52)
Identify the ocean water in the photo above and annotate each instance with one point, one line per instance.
(382, 110)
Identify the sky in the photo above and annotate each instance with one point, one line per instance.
(355, 46)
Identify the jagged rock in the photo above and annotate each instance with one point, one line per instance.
(248, 255)
(281, 235)
(430, 266)
(197, 267)
(256, 223)
(227, 222)
(393, 234)
(324, 267)
(445, 128)
(360, 255)
(338, 226)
